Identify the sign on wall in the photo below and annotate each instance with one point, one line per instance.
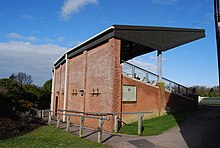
(129, 93)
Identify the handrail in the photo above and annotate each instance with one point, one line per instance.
(102, 118)
(103, 114)
(170, 82)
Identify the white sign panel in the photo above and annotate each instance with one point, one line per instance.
(129, 93)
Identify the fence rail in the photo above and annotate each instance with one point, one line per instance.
(151, 78)
(95, 115)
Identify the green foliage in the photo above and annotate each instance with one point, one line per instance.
(48, 136)
(13, 93)
(32, 92)
(45, 95)
(47, 86)
(207, 91)
(14, 89)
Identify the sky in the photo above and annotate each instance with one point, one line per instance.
(34, 34)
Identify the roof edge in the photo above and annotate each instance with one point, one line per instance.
(81, 44)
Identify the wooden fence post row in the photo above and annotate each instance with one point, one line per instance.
(140, 116)
(68, 123)
(49, 117)
(81, 126)
(115, 123)
(100, 130)
(58, 120)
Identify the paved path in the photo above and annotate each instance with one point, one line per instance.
(201, 130)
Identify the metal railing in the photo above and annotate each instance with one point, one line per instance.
(101, 117)
(151, 78)
(81, 124)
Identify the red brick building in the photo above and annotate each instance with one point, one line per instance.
(89, 77)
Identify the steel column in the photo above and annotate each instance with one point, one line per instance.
(159, 65)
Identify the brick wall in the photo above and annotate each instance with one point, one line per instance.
(153, 98)
(99, 70)
(96, 70)
(146, 99)
(178, 103)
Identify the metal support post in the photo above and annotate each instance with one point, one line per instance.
(133, 71)
(58, 120)
(100, 130)
(116, 123)
(81, 126)
(68, 123)
(170, 87)
(140, 116)
(178, 89)
(147, 77)
(159, 65)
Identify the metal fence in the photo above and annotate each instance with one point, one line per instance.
(151, 78)
(101, 117)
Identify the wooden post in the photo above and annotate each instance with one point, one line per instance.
(58, 120)
(116, 123)
(49, 117)
(100, 130)
(140, 116)
(81, 126)
(68, 123)
(42, 113)
(39, 113)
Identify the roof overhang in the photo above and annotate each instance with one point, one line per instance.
(143, 39)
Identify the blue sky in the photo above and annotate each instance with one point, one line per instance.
(34, 34)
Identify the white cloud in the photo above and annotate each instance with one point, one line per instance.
(71, 6)
(60, 39)
(21, 37)
(28, 17)
(165, 2)
(36, 60)
(150, 66)
(14, 36)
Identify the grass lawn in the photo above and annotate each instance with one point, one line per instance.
(157, 125)
(49, 136)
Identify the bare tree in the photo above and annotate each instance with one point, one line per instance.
(22, 77)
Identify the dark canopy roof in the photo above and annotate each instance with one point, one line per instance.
(138, 40)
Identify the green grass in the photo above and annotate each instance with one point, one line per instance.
(48, 137)
(157, 125)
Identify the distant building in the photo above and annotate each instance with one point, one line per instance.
(91, 77)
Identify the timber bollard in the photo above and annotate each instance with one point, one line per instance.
(116, 123)
(68, 123)
(58, 120)
(140, 116)
(42, 113)
(49, 117)
(81, 126)
(39, 113)
(100, 130)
